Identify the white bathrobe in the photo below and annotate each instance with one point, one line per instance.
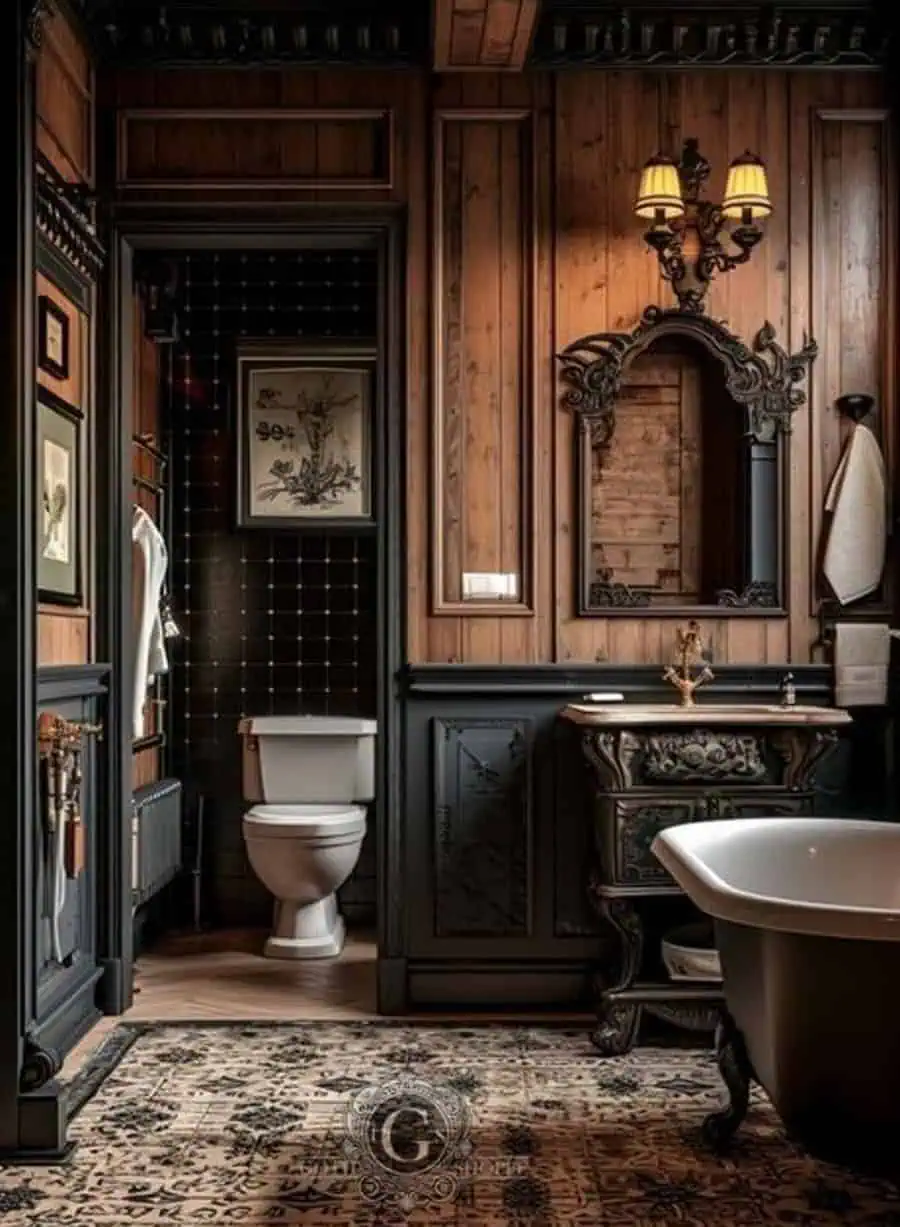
(150, 650)
(857, 535)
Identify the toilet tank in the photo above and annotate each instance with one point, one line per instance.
(307, 759)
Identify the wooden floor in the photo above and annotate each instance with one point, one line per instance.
(223, 976)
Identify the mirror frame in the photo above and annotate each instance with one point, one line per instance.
(763, 380)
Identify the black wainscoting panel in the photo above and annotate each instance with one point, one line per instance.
(275, 623)
(64, 991)
(498, 825)
(483, 837)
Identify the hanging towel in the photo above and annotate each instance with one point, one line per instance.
(857, 534)
(150, 650)
(862, 653)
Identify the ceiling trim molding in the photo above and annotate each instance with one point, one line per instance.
(649, 35)
(230, 34)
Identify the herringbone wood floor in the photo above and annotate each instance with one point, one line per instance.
(223, 975)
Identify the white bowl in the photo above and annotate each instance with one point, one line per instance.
(689, 954)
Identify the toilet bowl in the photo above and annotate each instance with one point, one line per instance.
(308, 779)
(302, 854)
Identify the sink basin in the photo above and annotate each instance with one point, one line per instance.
(621, 714)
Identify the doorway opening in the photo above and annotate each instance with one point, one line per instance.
(272, 614)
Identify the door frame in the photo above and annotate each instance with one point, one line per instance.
(135, 230)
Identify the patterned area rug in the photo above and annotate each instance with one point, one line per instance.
(380, 1123)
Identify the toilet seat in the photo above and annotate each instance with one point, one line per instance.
(305, 821)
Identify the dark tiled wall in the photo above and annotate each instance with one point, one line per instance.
(274, 622)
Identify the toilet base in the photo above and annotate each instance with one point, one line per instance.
(306, 930)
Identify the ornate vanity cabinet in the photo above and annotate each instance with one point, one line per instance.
(653, 766)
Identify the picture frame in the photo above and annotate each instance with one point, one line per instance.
(53, 338)
(59, 506)
(304, 428)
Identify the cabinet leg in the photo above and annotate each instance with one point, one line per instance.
(617, 1028)
(618, 1021)
(737, 1074)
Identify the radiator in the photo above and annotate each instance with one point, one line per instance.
(155, 838)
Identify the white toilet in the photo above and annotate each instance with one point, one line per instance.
(309, 778)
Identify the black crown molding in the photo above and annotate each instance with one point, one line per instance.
(65, 217)
(843, 34)
(234, 34)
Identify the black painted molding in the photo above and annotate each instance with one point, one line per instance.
(327, 32)
(638, 683)
(801, 34)
(64, 214)
(847, 34)
(58, 682)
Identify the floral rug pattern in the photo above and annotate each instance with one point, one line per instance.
(365, 1124)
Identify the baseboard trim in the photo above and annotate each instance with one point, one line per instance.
(499, 986)
(71, 1018)
(393, 998)
(114, 994)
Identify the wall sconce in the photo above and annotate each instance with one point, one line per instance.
(669, 197)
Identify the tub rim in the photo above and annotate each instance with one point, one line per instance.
(677, 849)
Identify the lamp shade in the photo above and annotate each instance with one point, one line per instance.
(746, 189)
(660, 190)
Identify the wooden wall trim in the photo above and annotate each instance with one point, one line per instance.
(158, 122)
(831, 379)
(441, 602)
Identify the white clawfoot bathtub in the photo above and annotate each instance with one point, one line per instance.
(807, 921)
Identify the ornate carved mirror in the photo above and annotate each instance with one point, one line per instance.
(680, 454)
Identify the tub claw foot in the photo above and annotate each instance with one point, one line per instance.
(734, 1066)
(617, 1029)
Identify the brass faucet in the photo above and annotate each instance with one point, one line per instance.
(690, 656)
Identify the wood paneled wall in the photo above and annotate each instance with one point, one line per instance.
(521, 238)
(65, 136)
(825, 266)
(65, 100)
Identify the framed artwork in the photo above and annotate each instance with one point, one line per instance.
(53, 338)
(305, 415)
(58, 544)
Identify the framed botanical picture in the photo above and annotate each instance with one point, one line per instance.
(53, 338)
(304, 426)
(58, 545)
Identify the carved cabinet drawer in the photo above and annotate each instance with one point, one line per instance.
(705, 755)
(626, 828)
(622, 759)
(625, 833)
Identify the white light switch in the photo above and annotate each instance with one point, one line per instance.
(490, 586)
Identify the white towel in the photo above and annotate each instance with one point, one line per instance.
(150, 652)
(862, 653)
(857, 534)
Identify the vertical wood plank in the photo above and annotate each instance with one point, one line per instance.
(484, 431)
(422, 641)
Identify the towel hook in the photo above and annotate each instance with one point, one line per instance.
(855, 405)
